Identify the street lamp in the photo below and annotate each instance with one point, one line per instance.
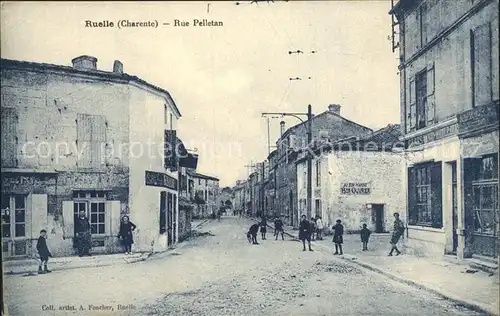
(308, 155)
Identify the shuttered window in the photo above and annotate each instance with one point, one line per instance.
(91, 140)
(9, 137)
(481, 64)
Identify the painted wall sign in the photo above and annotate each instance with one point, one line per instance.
(433, 136)
(355, 188)
(158, 179)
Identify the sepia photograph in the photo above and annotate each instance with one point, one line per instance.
(241, 158)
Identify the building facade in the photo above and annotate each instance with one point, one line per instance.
(206, 190)
(449, 114)
(68, 138)
(357, 180)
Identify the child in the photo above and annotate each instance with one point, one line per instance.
(263, 227)
(365, 235)
(126, 236)
(254, 229)
(338, 239)
(305, 232)
(43, 252)
(278, 228)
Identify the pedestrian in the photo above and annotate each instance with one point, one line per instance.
(338, 239)
(319, 228)
(313, 228)
(305, 232)
(365, 235)
(278, 228)
(253, 230)
(125, 235)
(83, 235)
(399, 229)
(43, 252)
(263, 227)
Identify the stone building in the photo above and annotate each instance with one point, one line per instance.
(206, 190)
(357, 180)
(448, 53)
(328, 125)
(76, 138)
(238, 197)
(225, 199)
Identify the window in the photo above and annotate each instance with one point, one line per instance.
(93, 204)
(485, 195)
(91, 140)
(9, 137)
(13, 215)
(422, 21)
(421, 99)
(318, 173)
(425, 195)
(481, 65)
(318, 207)
(421, 112)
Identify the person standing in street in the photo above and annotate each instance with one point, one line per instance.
(319, 228)
(338, 237)
(305, 232)
(365, 235)
(83, 235)
(278, 228)
(253, 230)
(43, 252)
(399, 229)
(263, 227)
(313, 228)
(125, 235)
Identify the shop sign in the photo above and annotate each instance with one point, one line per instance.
(433, 136)
(158, 179)
(355, 188)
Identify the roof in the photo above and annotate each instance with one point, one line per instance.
(272, 153)
(203, 176)
(109, 75)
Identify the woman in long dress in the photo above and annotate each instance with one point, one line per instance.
(126, 229)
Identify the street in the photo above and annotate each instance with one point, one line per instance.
(219, 273)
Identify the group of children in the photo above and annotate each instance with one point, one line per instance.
(262, 225)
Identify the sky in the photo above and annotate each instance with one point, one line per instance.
(223, 78)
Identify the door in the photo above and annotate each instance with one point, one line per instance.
(378, 217)
(93, 205)
(14, 235)
(454, 206)
(170, 220)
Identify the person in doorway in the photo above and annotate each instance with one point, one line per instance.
(365, 235)
(83, 235)
(253, 230)
(263, 227)
(305, 232)
(399, 229)
(338, 237)
(319, 228)
(278, 228)
(313, 228)
(125, 235)
(43, 252)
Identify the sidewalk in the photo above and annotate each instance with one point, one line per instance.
(455, 281)
(28, 266)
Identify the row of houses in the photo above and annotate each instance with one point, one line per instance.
(438, 168)
(76, 138)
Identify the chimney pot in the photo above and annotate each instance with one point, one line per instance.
(335, 108)
(118, 67)
(282, 128)
(85, 62)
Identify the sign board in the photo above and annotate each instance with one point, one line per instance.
(433, 136)
(355, 188)
(158, 179)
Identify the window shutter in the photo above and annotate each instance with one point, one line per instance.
(38, 212)
(68, 219)
(436, 196)
(412, 210)
(9, 137)
(113, 214)
(413, 104)
(431, 84)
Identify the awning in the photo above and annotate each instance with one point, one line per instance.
(189, 161)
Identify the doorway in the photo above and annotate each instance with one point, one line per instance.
(291, 212)
(454, 206)
(378, 217)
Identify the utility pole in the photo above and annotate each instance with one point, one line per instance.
(309, 162)
(268, 139)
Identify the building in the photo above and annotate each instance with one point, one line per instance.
(448, 54)
(238, 197)
(206, 190)
(224, 199)
(187, 203)
(357, 180)
(75, 139)
(328, 125)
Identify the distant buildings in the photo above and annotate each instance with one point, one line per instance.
(448, 54)
(206, 190)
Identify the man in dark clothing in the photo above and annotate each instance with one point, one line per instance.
(399, 229)
(263, 227)
(278, 228)
(365, 235)
(305, 232)
(254, 229)
(83, 235)
(43, 252)
(338, 239)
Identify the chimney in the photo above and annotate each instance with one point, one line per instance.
(282, 128)
(85, 62)
(335, 108)
(118, 67)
